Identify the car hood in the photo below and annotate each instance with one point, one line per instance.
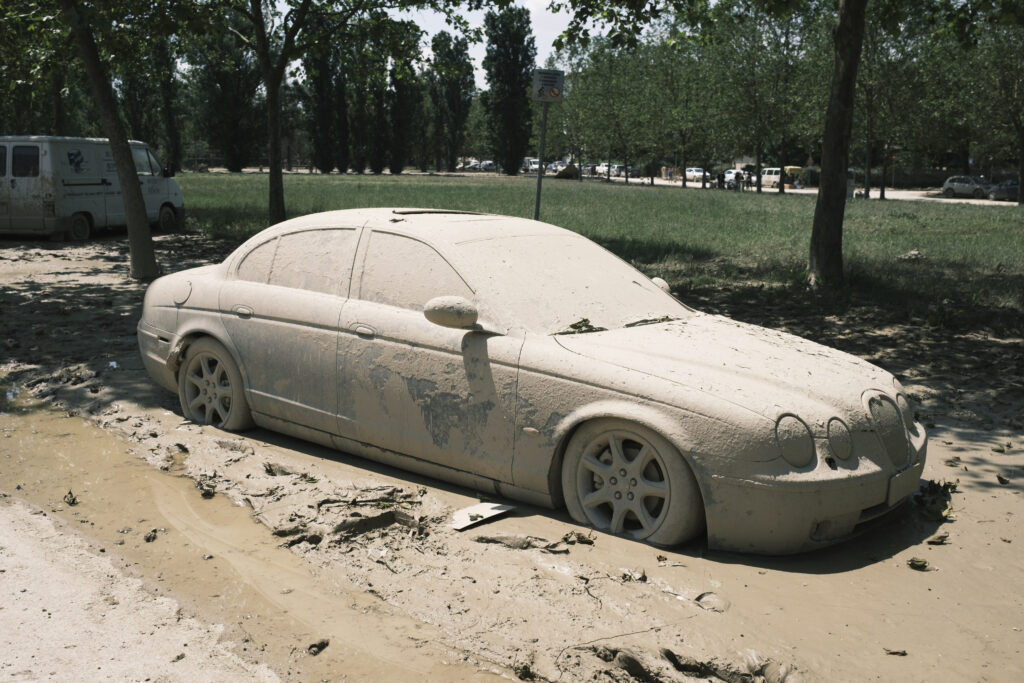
(762, 370)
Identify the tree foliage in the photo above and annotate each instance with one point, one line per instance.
(509, 64)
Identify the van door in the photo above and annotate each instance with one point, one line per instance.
(26, 188)
(151, 179)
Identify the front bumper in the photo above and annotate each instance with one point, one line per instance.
(782, 517)
(157, 351)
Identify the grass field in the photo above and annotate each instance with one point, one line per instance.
(972, 273)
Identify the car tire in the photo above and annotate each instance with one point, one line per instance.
(657, 499)
(978, 194)
(948, 193)
(992, 196)
(167, 221)
(81, 226)
(210, 387)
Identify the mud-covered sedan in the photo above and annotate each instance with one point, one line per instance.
(525, 361)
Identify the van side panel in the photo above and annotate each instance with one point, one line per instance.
(80, 183)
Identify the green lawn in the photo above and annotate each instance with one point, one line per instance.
(972, 273)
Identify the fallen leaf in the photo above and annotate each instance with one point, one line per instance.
(1002, 480)
(941, 539)
(897, 653)
(998, 449)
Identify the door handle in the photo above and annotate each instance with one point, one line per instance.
(365, 330)
(242, 311)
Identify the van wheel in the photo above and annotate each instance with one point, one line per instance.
(168, 220)
(80, 227)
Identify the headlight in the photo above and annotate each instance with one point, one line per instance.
(906, 412)
(839, 439)
(889, 425)
(794, 440)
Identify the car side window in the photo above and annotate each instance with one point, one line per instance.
(141, 160)
(315, 260)
(3, 161)
(400, 271)
(25, 161)
(255, 266)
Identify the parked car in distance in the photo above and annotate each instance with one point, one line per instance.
(965, 186)
(69, 186)
(695, 174)
(1008, 190)
(488, 166)
(770, 177)
(525, 361)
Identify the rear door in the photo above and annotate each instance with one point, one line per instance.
(26, 188)
(281, 307)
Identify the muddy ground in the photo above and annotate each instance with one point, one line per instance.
(139, 546)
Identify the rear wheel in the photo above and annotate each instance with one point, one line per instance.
(81, 226)
(210, 387)
(978, 193)
(620, 477)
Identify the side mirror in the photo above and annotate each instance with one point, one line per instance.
(451, 311)
(662, 285)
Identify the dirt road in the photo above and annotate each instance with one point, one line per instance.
(259, 556)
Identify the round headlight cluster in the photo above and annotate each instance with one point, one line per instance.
(794, 440)
(904, 405)
(889, 425)
(839, 439)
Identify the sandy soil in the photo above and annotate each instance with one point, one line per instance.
(129, 537)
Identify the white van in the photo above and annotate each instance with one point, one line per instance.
(69, 186)
(770, 177)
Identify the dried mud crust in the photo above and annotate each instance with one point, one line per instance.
(534, 593)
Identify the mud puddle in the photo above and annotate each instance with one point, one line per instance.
(209, 555)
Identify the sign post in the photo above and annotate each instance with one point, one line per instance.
(547, 88)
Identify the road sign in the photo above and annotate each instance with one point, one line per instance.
(547, 85)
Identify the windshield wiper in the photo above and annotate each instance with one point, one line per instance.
(651, 321)
(582, 326)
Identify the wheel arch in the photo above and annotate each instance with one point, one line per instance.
(649, 416)
(190, 337)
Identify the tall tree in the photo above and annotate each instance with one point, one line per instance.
(451, 86)
(405, 94)
(81, 23)
(509, 63)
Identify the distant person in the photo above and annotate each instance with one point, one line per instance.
(721, 180)
(737, 181)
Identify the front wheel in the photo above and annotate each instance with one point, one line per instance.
(948, 192)
(167, 221)
(992, 196)
(210, 387)
(626, 479)
(978, 194)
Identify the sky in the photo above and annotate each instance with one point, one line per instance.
(546, 27)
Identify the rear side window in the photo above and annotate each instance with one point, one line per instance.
(255, 267)
(400, 271)
(3, 161)
(25, 161)
(315, 260)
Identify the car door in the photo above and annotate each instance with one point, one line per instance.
(25, 188)
(408, 385)
(280, 306)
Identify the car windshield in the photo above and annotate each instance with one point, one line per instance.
(564, 283)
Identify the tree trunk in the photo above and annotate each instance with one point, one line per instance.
(274, 160)
(140, 241)
(825, 265)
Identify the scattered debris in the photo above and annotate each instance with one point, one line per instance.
(912, 255)
(475, 514)
(935, 500)
(712, 602)
(999, 449)
(574, 536)
(940, 539)
(524, 543)
(318, 647)
(151, 536)
(181, 656)
(1002, 480)
(919, 564)
(70, 498)
(895, 653)
(628, 575)
(954, 461)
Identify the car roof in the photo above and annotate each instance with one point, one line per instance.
(437, 226)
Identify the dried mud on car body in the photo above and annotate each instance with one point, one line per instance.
(554, 608)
